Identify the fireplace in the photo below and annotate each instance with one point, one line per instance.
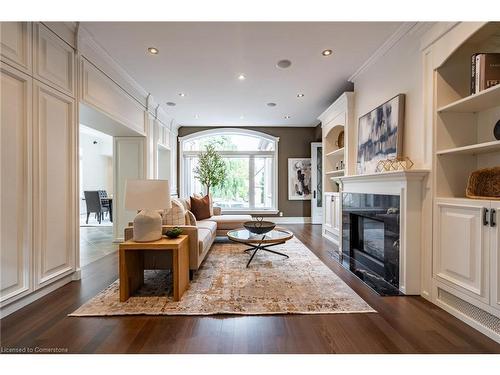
(370, 239)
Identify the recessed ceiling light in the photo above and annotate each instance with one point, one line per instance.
(326, 52)
(196, 117)
(242, 77)
(153, 50)
(283, 64)
(242, 117)
(271, 104)
(287, 117)
(300, 95)
(171, 104)
(182, 94)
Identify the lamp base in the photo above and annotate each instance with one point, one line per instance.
(147, 226)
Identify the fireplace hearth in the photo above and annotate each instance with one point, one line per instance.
(371, 239)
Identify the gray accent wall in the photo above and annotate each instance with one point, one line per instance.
(295, 142)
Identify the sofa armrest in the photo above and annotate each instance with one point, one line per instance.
(217, 211)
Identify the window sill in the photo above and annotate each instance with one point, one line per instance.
(249, 212)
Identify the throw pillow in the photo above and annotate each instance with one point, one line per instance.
(174, 216)
(200, 207)
(190, 219)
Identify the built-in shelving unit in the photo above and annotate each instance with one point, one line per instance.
(465, 251)
(338, 152)
(464, 140)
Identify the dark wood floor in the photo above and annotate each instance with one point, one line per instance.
(402, 324)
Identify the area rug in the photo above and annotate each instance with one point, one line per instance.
(301, 284)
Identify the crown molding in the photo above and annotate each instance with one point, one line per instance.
(404, 29)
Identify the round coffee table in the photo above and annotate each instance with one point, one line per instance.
(262, 242)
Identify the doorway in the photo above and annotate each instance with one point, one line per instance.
(109, 153)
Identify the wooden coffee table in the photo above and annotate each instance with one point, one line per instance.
(261, 242)
(132, 264)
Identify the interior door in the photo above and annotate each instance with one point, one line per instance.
(129, 163)
(317, 182)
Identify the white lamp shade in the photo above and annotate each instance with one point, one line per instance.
(147, 195)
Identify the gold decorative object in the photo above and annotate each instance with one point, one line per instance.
(340, 140)
(394, 164)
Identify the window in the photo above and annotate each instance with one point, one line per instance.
(251, 164)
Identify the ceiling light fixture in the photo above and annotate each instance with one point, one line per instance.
(196, 117)
(242, 117)
(327, 52)
(271, 104)
(171, 104)
(153, 50)
(242, 77)
(284, 64)
(287, 117)
(300, 95)
(182, 94)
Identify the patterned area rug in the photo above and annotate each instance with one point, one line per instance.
(272, 284)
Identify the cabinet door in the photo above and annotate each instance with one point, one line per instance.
(328, 211)
(462, 247)
(15, 46)
(495, 258)
(15, 183)
(336, 212)
(54, 60)
(55, 195)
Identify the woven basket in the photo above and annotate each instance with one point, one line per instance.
(484, 184)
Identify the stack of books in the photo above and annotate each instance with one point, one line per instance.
(485, 71)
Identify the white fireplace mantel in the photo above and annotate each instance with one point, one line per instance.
(409, 185)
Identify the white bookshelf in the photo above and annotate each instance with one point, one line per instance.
(336, 153)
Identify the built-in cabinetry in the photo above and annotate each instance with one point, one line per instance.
(337, 160)
(39, 145)
(465, 245)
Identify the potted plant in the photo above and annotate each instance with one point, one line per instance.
(211, 169)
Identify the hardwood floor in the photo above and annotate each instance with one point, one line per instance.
(402, 324)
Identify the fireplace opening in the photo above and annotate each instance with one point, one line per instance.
(370, 245)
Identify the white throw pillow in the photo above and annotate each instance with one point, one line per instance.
(175, 216)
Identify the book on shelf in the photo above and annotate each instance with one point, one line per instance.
(485, 71)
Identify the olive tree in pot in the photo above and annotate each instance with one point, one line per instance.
(211, 169)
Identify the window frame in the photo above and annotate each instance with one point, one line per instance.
(183, 176)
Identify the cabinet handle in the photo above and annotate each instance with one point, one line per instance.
(485, 217)
(492, 218)
(314, 194)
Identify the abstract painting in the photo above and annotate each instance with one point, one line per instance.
(299, 178)
(380, 134)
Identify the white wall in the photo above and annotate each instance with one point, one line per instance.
(399, 71)
(96, 161)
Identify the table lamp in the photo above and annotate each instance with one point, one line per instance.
(149, 196)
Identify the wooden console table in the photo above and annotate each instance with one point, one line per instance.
(131, 255)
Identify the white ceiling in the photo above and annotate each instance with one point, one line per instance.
(203, 60)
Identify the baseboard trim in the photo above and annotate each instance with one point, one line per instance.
(25, 301)
(291, 219)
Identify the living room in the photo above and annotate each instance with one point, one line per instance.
(271, 187)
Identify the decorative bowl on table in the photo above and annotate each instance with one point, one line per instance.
(174, 232)
(259, 226)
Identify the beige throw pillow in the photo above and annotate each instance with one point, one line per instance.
(190, 219)
(175, 216)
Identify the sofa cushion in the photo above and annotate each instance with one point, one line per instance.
(230, 221)
(205, 237)
(175, 215)
(200, 207)
(184, 202)
(207, 224)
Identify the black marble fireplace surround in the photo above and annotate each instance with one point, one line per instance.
(370, 240)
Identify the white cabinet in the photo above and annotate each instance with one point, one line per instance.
(332, 218)
(15, 45)
(15, 181)
(495, 255)
(466, 249)
(53, 60)
(54, 141)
